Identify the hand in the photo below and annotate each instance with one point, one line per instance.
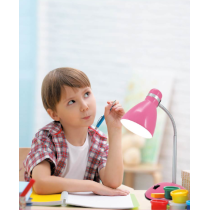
(114, 116)
(101, 189)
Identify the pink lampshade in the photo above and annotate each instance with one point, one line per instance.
(141, 119)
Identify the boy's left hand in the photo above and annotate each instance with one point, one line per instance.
(114, 116)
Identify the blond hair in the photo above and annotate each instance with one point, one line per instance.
(54, 82)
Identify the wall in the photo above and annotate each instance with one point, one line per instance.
(27, 70)
(109, 40)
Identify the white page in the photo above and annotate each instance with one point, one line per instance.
(89, 199)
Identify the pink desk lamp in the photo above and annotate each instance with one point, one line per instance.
(141, 120)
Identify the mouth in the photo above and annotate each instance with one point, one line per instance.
(85, 118)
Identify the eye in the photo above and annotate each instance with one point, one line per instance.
(87, 94)
(71, 102)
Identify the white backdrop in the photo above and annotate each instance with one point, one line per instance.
(109, 40)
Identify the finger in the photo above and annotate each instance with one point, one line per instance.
(116, 106)
(111, 102)
(122, 193)
(116, 102)
(118, 194)
(127, 191)
(110, 106)
(107, 108)
(119, 109)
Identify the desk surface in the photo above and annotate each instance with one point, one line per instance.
(143, 202)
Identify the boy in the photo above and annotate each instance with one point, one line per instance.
(69, 154)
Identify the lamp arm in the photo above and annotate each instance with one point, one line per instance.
(174, 161)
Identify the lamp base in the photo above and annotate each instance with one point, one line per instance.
(158, 188)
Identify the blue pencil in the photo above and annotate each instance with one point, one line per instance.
(101, 119)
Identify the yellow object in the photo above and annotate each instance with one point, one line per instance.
(186, 181)
(158, 195)
(179, 196)
(45, 198)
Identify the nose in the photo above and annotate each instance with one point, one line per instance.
(84, 106)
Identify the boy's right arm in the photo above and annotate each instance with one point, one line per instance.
(48, 184)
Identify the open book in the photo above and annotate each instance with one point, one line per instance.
(85, 199)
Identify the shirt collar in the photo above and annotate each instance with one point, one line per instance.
(55, 128)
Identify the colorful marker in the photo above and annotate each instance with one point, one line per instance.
(28, 187)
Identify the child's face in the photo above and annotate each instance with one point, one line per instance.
(75, 105)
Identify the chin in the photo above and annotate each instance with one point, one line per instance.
(87, 125)
(91, 122)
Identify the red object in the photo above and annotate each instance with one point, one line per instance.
(28, 187)
(158, 204)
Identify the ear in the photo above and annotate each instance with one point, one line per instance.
(53, 115)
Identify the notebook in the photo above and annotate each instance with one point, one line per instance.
(85, 199)
(22, 186)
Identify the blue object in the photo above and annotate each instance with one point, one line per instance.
(101, 119)
(188, 204)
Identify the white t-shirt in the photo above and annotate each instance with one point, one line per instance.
(77, 160)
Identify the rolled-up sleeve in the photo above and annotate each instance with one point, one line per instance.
(104, 156)
(42, 148)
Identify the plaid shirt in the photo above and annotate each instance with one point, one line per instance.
(50, 144)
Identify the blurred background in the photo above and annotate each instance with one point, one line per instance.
(126, 48)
